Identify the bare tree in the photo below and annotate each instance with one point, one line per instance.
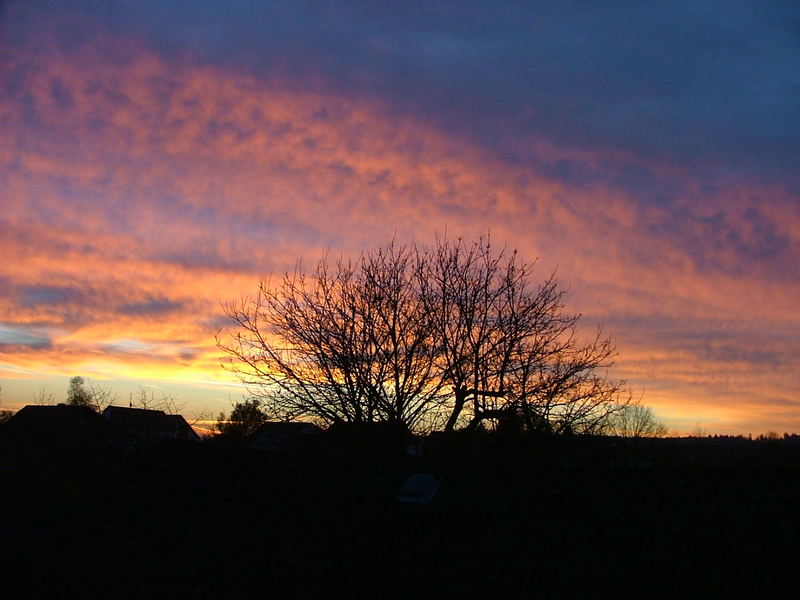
(508, 348)
(462, 291)
(699, 431)
(101, 395)
(636, 421)
(148, 399)
(448, 336)
(44, 396)
(347, 343)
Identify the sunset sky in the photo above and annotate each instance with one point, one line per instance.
(156, 157)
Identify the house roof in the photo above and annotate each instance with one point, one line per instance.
(149, 422)
(60, 424)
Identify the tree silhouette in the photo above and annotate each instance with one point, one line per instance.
(86, 393)
(78, 394)
(636, 421)
(507, 346)
(245, 418)
(445, 337)
(147, 399)
(348, 344)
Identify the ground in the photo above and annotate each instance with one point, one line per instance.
(205, 520)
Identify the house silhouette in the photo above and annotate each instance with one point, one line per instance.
(150, 425)
(60, 426)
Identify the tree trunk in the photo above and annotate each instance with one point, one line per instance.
(462, 393)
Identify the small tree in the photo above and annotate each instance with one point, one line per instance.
(78, 394)
(89, 394)
(637, 421)
(245, 418)
(43, 396)
(148, 400)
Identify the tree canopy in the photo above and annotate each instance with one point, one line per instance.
(78, 394)
(89, 394)
(450, 336)
(246, 416)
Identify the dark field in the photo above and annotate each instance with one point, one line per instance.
(204, 520)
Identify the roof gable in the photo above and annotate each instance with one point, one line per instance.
(150, 423)
(60, 424)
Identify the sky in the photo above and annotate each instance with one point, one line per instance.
(156, 157)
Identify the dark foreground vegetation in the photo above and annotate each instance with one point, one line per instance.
(554, 518)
